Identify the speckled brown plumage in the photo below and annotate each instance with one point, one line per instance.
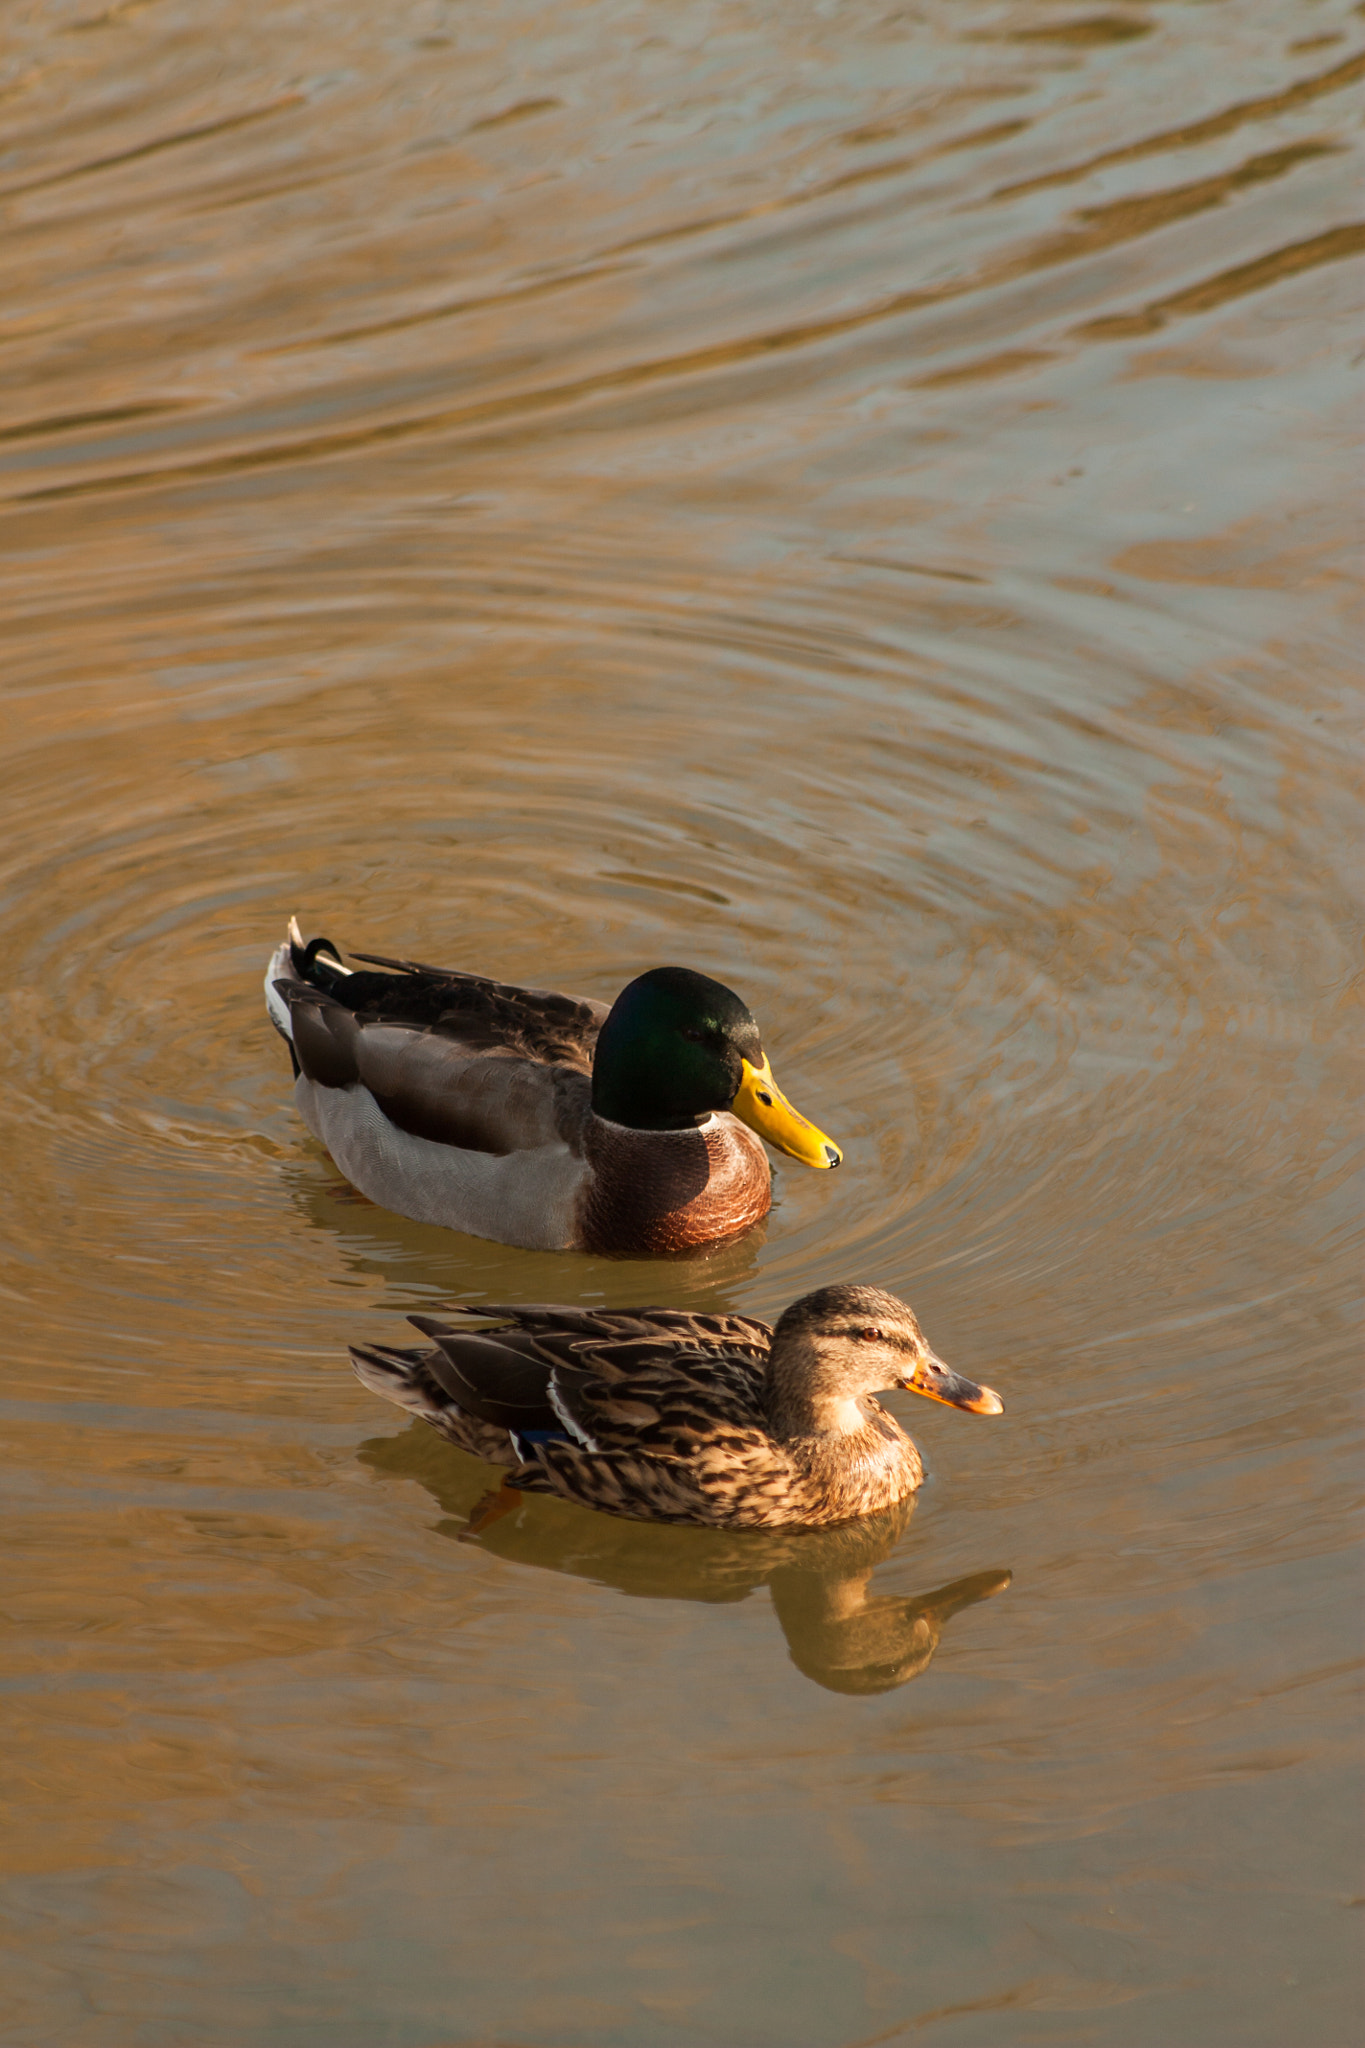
(704, 1468)
(507, 1370)
(666, 1416)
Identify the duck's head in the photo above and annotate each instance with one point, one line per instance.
(678, 1046)
(832, 1348)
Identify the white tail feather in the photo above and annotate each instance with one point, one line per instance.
(281, 968)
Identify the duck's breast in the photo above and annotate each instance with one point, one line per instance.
(844, 1477)
(670, 1191)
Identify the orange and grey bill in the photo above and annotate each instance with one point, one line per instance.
(761, 1105)
(934, 1379)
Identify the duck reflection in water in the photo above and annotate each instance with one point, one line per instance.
(427, 1260)
(851, 1641)
(840, 1634)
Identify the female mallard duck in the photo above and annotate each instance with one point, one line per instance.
(665, 1416)
(535, 1118)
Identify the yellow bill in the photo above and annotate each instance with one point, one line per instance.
(761, 1105)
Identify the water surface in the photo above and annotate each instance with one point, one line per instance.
(853, 499)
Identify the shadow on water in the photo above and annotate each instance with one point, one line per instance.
(423, 1265)
(838, 1633)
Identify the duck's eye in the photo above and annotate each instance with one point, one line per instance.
(869, 1334)
(693, 1037)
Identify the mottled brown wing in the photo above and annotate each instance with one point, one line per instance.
(405, 1378)
(700, 1412)
(497, 1376)
(616, 1341)
(688, 1328)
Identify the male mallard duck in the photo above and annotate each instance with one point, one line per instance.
(665, 1416)
(535, 1118)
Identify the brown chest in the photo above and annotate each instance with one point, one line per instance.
(651, 1192)
(849, 1476)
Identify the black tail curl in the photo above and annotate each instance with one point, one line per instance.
(311, 965)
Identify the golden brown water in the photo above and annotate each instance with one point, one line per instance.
(854, 500)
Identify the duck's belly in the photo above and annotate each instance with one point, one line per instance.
(521, 1198)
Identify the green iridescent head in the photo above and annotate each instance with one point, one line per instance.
(678, 1046)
